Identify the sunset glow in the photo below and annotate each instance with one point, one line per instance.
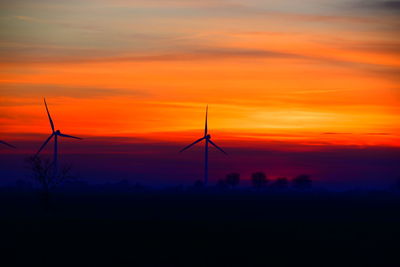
(276, 74)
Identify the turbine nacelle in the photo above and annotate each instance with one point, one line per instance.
(54, 134)
(208, 137)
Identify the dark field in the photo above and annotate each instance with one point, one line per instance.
(159, 228)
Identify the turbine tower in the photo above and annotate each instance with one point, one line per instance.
(7, 144)
(207, 138)
(55, 134)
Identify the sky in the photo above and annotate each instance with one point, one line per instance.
(312, 77)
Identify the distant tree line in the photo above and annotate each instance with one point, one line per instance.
(42, 173)
(259, 180)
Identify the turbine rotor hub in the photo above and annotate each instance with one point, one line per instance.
(208, 136)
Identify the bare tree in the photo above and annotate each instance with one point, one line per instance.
(42, 172)
(259, 179)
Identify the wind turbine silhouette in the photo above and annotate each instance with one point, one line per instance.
(7, 144)
(55, 134)
(207, 138)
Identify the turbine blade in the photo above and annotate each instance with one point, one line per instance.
(69, 136)
(48, 114)
(195, 142)
(44, 144)
(206, 125)
(220, 149)
(7, 144)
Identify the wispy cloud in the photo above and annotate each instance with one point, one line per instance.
(389, 6)
(43, 54)
(28, 90)
(334, 133)
(186, 53)
(378, 133)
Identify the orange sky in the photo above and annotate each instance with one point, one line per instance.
(312, 73)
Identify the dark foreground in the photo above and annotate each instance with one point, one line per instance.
(201, 229)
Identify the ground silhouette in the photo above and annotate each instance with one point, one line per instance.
(126, 225)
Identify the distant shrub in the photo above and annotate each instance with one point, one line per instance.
(281, 183)
(232, 179)
(259, 179)
(302, 181)
(198, 184)
(221, 184)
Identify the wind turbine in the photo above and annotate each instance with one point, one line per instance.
(7, 144)
(207, 138)
(55, 134)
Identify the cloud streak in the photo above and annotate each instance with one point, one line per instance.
(55, 90)
(389, 6)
